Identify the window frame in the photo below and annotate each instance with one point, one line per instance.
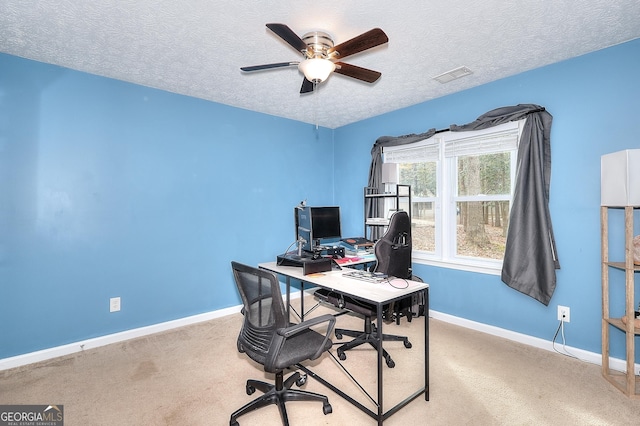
(447, 197)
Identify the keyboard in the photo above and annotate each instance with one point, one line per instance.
(372, 277)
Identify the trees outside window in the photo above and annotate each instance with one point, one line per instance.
(462, 184)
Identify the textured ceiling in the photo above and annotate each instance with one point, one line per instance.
(196, 47)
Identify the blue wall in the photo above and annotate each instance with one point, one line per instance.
(111, 189)
(595, 102)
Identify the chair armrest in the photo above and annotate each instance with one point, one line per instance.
(307, 324)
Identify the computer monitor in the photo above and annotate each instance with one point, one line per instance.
(317, 223)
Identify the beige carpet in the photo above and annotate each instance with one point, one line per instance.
(195, 376)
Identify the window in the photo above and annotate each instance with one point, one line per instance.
(462, 186)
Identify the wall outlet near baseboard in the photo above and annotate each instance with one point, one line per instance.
(564, 313)
(114, 304)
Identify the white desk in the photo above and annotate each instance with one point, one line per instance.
(378, 294)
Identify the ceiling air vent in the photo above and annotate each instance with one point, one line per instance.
(454, 74)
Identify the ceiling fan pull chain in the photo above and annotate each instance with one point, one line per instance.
(317, 103)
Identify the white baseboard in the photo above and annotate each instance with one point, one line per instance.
(45, 354)
(587, 356)
(50, 353)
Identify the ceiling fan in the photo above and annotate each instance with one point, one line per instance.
(321, 57)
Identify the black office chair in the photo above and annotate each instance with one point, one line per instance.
(393, 249)
(268, 338)
(393, 257)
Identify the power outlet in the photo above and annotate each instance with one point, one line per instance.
(564, 313)
(114, 304)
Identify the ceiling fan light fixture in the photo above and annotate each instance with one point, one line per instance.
(316, 70)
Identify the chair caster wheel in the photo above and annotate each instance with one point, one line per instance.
(390, 363)
(301, 380)
(407, 344)
(338, 335)
(326, 409)
(342, 355)
(234, 424)
(250, 390)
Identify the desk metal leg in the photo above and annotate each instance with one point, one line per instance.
(288, 281)
(380, 357)
(301, 301)
(381, 414)
(426, 344)
(288, 298)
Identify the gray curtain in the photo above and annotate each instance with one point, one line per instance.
(375, 170)
(530, 258)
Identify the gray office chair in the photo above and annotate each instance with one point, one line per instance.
(393, 257)
(268, 338)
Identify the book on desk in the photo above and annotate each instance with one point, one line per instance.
(357, 246)
(356, 243)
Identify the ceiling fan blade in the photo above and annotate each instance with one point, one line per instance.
(307, 86)
(364, 41)
(268, 66)
(359, 73)
(287, 34)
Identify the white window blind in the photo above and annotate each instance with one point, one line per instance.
(418, 152)
(505, 140)
(496, 139)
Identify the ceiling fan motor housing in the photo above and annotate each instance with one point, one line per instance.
(319, 43)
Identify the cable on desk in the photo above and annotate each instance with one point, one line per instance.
(398, 287)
